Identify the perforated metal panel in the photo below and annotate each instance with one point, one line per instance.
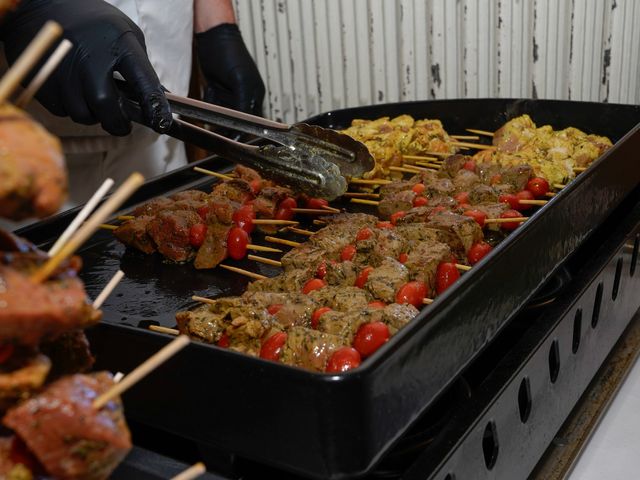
(319, 55)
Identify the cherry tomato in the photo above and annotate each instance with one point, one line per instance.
(478, 251)
(343, 359)
(370, 337)
(275, 308)
(288, 202)
(318, 203)
(469, 165)
(362, 277)
(418, 188)
(203, 212)
(496, 179)
(384, 225)
(478, 215)
(321, 271)
(243, 218)
(237, 241)
(538, 186)
(420, 201)
(397, 216)
(403, 257)
(256, 186)
(364, 233)
(510, 225)
(272, 346)
(412, 293)
(284, 214)
(196, 234)
(348, 253)
(446, 274)
(377, 304)
(524, 195)
(315, 317)
(6, 351)
(510, 199)
(462, 197)
(313, 284)
(223, 341)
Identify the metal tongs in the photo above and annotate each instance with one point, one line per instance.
(308, 158)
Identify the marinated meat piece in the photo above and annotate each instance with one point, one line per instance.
(296, 309)
(382, 244)
(193, 195)
(289, 281)
(501, 188)
(357, 220)
(517, 176)
(416, 215)
(453, 164)
(493, 210)
(425, 177)
(307, 256)
(343, 324)
(170, 232)
(310, 349)
(153, 207)
(220, 210)
(68, 436)
(214, 247)
(464, 180)
(443, 201)
(397, 316)
(423, 260)
(21, 377)
(482, 193)
(189, 204)
(440, 187)
(418, 232)
(201, 324)
(383, 282)
(487, 171)
(267, 201)
(133, 233)
(341, 273)
(69, 353)
(246, 332)
(236, 190)
(247, 174)
(343, 299)
(399, 186)
(467, 230)
(398, 201)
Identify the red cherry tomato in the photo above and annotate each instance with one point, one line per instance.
(418, 188)
(377, 304)
(315, 317)
(370, 337)
(288, 202)
(243, 218)
(510, 199)
(403, 257)
(275, 308)
(412, 293)
(196, 234)
(362, 277)
(446, 274)
(321, 271)
(510, 225)
(284, 214)
(203, 212)
(348, 253)
(384, 225)
(343, 359)
(318, 203)
(256, 186)
(478, 251)
(462, 197)
(496, 179)
(420, 201)
(538, 186)
(313, 284)
(469, 165)
(524, 195)
(6, 351)
(478, 215)
(223, 341)
(272, 346)
(364, 233)
(397, 216)
(237, 241)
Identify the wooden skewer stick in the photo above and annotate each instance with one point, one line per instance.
(550, 194)
(579, 169)
(81, 217)
(264, 260)
(161, 329)
(506, 220)
(319, 222)
(317, 211)
(117, 377)
(107, 226)
(361, 195)
(210, 301)
(269, 221)
(439, 154)
(429, 166)
(427, 301)
(261, 248)
(405, 169)
(477, 146)
(364, 201)
(465, 137)
(282, 241)
(419, 157)
(142, 370)
(463, 268)
(90, 226)
(533, 202)
(331, 209)
(373, 181)
(212, 173)
(47, 69)
(241, 271)
(559, 186)
(28, 58)
(125, 217)
(300, 231)
(480, 132)
(192, 472)
(106, 291)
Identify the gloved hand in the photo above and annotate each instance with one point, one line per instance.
(233, 80)
(104, 40)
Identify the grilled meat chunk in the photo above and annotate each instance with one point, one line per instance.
(452, 165)
(153, 207)
(358, 220)
(307, 255)
(202, 324)
(214, 247)
(344, 299)
(440, 187)
(517, 176)
(289, 281)
(133, 233)
(383, 282)
(399, 186)
(464, 180)
(341, 273)
(23, 375)
(236, 190)
(68, 436)
(344, 324)
(423, 260)
(170, 232)
(69, 353)
(398, 201)
(397, 316)
(190, 195)
(481, 193)
(309, 348)
(466, 229)
(382, 244)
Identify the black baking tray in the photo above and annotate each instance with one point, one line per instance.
(336, 426)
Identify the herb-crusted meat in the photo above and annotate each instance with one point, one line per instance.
(170, 232)
(384, 281)
(309, 348)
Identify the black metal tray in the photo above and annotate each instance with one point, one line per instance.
(337, 426)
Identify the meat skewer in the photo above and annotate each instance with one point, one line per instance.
(192, 472)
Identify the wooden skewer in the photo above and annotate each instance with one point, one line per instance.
(427, 301)
(81, 217)
(269, 221)
(361, 195)
(559, 186)
(117, 377)
(477, 146)
(480, 132)
(364, 201)
(28, 58)
(261, 248)
(210, 301)
(161, 329)
(550, 194)
(331, 209)
(47, 69)
(318, 211)
(107, 226)
(106, 291)
(192, 472)
(300, 231)
(241, 271)
(533, 202)
(373, 181)
(506, 220)
(90, 226)
(212, 173)
(264, 260)
(465, 137)
(153, 362)
(432, 165)
(405, 169)
(282, 241)
(439, 154)
(579, 169)
(464, 268)
(319, 222)
(125, 217)
(419, 157)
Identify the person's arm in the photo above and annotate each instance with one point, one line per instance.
(233, 80)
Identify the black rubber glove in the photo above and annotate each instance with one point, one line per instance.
(104, 40)
(233, 80)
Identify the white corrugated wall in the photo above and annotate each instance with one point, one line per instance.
(319, 55)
